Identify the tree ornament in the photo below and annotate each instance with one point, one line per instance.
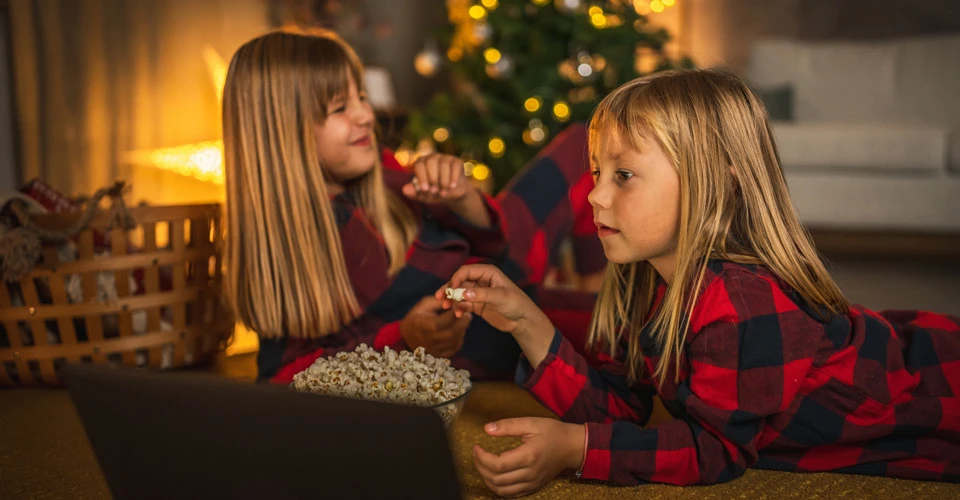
(568, 6)
(503, 68)
(427, 62)
(482, 32)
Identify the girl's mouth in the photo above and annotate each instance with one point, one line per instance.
(363, 141)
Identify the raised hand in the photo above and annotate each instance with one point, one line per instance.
(492, 296)
(438, 331)
(438, 178)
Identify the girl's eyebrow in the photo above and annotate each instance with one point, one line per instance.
(614, 157)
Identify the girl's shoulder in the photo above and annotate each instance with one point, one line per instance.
(737, 292)
(739, 276)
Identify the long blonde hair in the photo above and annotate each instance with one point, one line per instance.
(706, 121)
(285, 265)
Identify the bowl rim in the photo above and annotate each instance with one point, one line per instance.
(454, 400)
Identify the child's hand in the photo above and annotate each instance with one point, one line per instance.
(549, 447)
(438, 178)
(492, 296)
(439, 332)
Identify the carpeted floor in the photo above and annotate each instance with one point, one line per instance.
(44, 454)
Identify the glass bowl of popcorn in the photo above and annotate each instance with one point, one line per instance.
(405, 377)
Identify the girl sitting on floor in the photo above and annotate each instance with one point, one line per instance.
(331, 244)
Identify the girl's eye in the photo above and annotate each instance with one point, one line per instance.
(624, 175)
(595, 173)
(339, 109)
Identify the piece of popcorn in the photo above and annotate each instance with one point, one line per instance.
(455, 294)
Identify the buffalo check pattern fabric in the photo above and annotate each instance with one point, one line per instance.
(543, 204)
(764, 383)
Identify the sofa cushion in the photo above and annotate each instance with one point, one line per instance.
(877, 202)
(901, 80)
(862, 146)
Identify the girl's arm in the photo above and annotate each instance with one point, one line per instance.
(551, 368)
(750, 352)
(477, 216)
(569, 386)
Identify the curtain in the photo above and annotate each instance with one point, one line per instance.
(96, 79)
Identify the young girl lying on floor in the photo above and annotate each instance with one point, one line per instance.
(715, 300)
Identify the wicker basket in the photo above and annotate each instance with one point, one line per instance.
(173, 326)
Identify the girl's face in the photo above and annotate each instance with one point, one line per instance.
(345, 140)
(636, 203)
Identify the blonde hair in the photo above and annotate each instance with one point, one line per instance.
(706, 121)
(285, 265)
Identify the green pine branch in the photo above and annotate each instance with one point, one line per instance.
(537, 40)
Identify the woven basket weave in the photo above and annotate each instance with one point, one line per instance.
(182, 324)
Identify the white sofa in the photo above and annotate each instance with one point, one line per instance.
(874, 141)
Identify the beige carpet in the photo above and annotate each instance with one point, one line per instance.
(44, 454)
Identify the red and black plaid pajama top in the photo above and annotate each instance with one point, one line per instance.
(765, 384)
(545, 203)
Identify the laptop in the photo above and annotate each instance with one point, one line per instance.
(197, 435)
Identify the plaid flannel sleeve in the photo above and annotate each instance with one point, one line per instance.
(576, 391)
(280, 359)
(484, 241)
(748, 358)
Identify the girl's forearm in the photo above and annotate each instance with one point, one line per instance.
(534, 337)
(472, 209)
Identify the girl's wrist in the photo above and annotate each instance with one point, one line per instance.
(471, 207)
(534, 336)
(576, 446)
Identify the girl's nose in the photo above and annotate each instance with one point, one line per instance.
(599, 197)
(363, 114)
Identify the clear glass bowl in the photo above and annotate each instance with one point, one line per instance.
(449, 410)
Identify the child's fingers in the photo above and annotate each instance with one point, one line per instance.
(519, 426)
(495, 465)
(446, 165)
(479, 274)
(511, 460)
(433, 174)
(515, 490)
(501, 480)
(423, 180)
(456, 174)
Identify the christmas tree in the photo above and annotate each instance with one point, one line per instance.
(522, 70)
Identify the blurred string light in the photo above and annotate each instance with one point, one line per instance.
(477, 12)
(561, 111)
(441, 134)
(491, 55)
(496, 147)
(645, 7)
(532, 104)
(481, 172)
